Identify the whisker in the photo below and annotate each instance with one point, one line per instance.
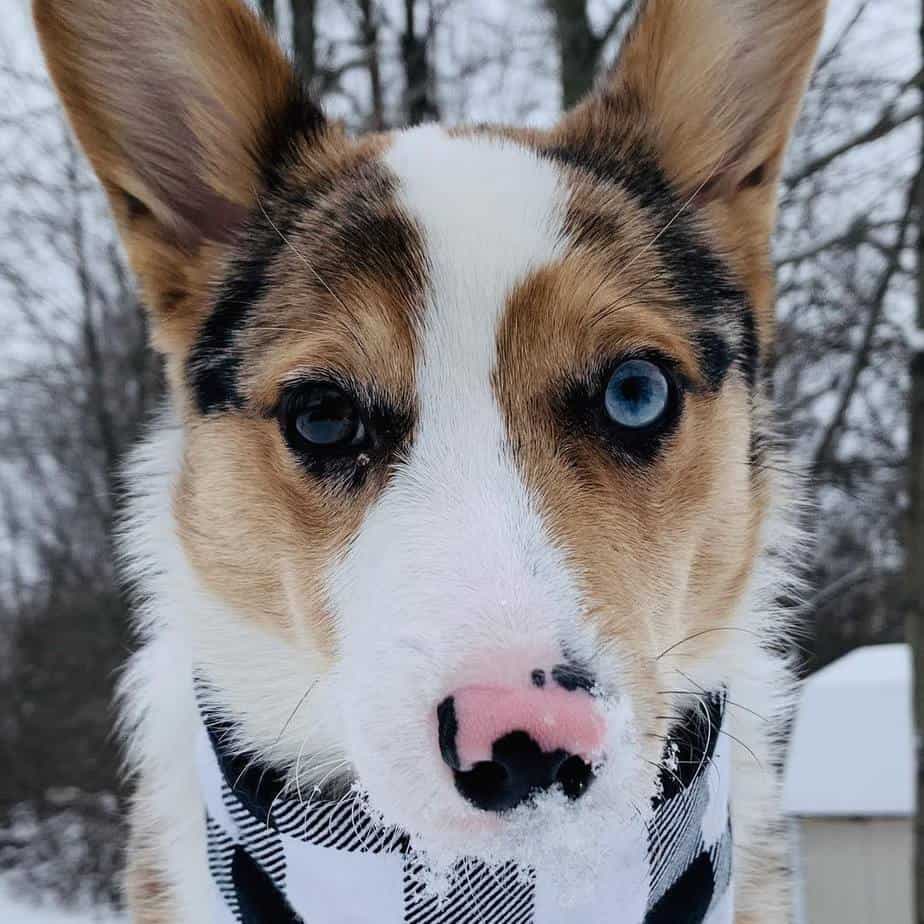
(298, 706)
(739, 741)
(730, 702)
(467, 870)
(662, 768)
(320, 764)
(657, 831)
(250, 763)
(708, 718)
(623, 302)
(269, 814)
(298, 776)
(333, 813)
(697, 635)
(319, 786)
(301, 256)
(353, 808)
(692, 198)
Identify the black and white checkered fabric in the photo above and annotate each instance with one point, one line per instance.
(276, 858)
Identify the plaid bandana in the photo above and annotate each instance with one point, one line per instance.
(276, 859)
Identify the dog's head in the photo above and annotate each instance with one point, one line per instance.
(474, 439)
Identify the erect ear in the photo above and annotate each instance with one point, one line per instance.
(715, 86)
(181, 107)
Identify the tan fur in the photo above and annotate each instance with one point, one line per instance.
(720, 83)
(147, 893)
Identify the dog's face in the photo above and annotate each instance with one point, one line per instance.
(473, 431)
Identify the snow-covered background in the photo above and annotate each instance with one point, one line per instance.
(76, 381)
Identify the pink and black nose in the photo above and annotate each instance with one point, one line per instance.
(507, 744)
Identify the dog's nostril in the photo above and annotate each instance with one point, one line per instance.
(486, 785)
(574, 776)
(520, 769)
(448, 728)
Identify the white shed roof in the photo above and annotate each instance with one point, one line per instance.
(852, 750)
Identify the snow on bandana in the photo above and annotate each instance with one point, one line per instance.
(276, 859)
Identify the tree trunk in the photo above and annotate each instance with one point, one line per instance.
(914, 547)
(268, 9)
(578, 49)
(419, 104)
(579, 46)
(304, 38)
(369, 33)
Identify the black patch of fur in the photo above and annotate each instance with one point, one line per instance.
(714, 357)
(573, 677)
(299, 122)
(254, 784)
(351, 218)
(214, 362)
(692, 746)
(365, 233)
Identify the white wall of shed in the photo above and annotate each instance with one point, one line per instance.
(854, 871)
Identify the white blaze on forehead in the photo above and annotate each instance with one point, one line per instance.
(455, 534)
(489, 212)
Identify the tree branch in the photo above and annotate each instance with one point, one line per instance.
(827, 445)
(884, 125)
(616, 20)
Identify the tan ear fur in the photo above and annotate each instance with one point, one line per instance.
(177, 104)
(721, 82)
(710, 89)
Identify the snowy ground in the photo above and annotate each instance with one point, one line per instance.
(14, 911)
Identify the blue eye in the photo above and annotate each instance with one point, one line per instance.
(323, 418)
(637, 394)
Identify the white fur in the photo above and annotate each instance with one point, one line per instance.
(184, 628)
(159, 712)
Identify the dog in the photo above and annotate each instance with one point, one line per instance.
(468, 489)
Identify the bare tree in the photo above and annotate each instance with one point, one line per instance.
(369, 35)
(304, 38)
(579, 46)
(71, 403)
(419, 98)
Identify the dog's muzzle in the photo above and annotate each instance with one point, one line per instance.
(276, 858)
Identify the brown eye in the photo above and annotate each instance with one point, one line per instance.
(323, 417)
